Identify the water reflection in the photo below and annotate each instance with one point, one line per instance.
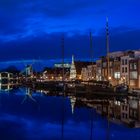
(67, 116)
(28, 94)
(6, 87)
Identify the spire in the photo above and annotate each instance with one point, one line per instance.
(72, 59)
(72, 69)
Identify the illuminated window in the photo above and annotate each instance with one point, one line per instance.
(117, 75)
(133, 75)
(135, 66)
(131, 66)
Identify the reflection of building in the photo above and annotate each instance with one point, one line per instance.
(6, 87)
(28, 94)
(126, 110)
(6, 77)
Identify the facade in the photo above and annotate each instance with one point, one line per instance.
(55, 74)
(116, 77)
(111, 72)
(98, 70)
(84, 74)
(124, 68)
(134, 72)
(89, 73)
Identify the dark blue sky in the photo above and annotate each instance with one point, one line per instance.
(31, 29)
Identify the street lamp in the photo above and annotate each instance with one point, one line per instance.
(109, 78)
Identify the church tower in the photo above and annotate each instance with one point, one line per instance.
(72, 70)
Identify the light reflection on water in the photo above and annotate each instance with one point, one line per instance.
(25, 115)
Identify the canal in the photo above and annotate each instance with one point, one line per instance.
(36, 115)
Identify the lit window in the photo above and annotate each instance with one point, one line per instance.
(133, 75)
(131, 66)
(135, 66)
(117, 75)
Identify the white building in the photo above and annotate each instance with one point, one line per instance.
(72, 70)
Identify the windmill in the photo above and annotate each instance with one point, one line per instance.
(28, 70)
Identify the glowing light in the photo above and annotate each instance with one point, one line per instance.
(123, 78)
(109, 78)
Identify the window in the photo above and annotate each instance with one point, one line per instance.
(104, 64)
(126, 108)
(135, 66)
(110, 64)
(122, 61)
(125, 61)
(122, 69)
(133, 75)
(131, 66)
(117, 75)
(125, 69)
(126, 116)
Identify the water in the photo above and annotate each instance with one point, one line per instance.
(36, 116)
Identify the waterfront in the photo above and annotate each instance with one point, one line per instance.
(41, 117)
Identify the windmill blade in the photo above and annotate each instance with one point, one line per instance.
(30, 96)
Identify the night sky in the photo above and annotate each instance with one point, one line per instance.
(32, 29)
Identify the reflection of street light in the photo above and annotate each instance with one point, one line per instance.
(80, 77)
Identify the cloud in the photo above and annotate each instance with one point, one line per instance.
(32, 28)
(48, 46)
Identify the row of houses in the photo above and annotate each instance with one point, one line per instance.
(122, 67)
